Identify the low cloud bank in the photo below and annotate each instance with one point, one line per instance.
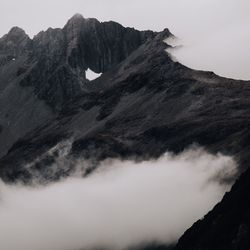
(121, 205)
(224, 52)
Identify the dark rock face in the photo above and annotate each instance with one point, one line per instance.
(39, 76)
(61, 56)
(15, 43)
(100, 46)
(143, 105)
(227, 226)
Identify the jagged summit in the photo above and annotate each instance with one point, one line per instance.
(15, 34)
(78, 20)
(67, 53)
(17, 31)
(77, 16)
(44, 73)
(15, 43)
(75, 19)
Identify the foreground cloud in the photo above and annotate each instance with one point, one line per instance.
(123, 204)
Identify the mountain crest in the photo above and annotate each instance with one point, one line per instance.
(68, 52)
(15, 42)
(77, 16)
(17, 31)
(76, 19)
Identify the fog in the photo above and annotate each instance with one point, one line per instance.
(225, 52)
(122, 204)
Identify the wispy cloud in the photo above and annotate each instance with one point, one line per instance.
(122, 204)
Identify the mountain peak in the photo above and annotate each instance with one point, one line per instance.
(75, 22)
(15, 42)
(77, 16)
(17, 32)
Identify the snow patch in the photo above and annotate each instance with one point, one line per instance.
(91, 75)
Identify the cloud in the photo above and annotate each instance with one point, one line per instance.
(223, 50)
(122, 204)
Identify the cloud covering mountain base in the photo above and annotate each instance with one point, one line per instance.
(121, 205)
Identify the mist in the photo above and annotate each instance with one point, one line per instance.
(123, 204)
(224, 52)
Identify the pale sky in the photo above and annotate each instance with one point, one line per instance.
(215, 33)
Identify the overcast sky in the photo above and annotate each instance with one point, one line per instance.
(215, 33)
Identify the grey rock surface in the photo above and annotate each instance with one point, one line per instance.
(38, 76)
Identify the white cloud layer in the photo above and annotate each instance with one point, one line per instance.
(123, 204)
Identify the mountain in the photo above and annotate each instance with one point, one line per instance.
(39, 76)
(144, 104)
(227, 226)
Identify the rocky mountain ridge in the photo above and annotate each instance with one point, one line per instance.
(143, 105)
(42, 74)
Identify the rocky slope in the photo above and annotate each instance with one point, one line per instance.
(227, 226)
(39, 76)
(144, 104)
